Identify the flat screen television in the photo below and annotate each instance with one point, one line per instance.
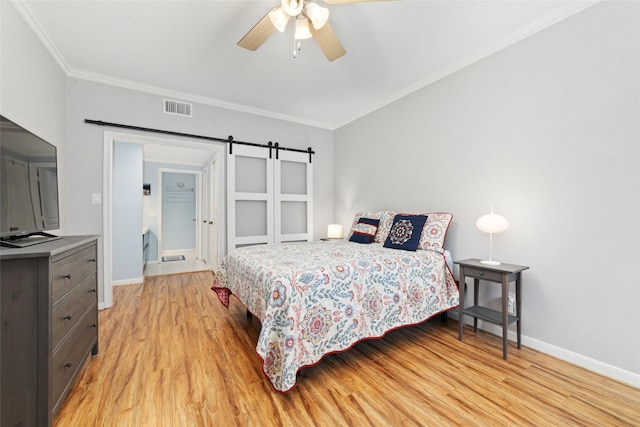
(28, 187)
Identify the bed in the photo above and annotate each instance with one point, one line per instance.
(317, 298)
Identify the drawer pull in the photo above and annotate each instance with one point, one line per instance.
(92, 260)
(93, 325)
(67, 317)
(482, 273)
(67, 276)
(92, 291)
(68, 364)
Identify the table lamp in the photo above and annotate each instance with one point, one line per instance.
(492, 224)
(334, 231)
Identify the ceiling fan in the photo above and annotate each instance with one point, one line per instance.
(311, 20)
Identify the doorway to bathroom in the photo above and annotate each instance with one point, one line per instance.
(156, 152)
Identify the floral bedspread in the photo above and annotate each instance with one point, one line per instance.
(318, 298)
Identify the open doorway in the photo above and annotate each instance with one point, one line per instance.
(178, 152)
(176, 220)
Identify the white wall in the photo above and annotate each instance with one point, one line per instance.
(548, 132)
(32, 89)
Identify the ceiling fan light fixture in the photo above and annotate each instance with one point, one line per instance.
(292, 7)
(302, 29)
(317, 14)
(279, 19)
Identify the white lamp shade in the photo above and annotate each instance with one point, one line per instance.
(292, 7)
(492, 223)
(279, 19)
(302, 29)
(317, 14)
(334, 231)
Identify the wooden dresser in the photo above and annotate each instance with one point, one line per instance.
(49, 321)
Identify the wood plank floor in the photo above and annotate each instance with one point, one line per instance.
(171, 355)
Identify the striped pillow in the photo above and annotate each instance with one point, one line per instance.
(364, 230)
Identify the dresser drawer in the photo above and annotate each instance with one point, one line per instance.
(483, 274)
(67, 360)
(67, 272)
(71, 308)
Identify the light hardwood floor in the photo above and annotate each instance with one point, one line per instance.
(172, 355)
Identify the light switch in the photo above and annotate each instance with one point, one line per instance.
(96, 198)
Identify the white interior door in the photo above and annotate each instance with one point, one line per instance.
(209, 215)
(206, 198)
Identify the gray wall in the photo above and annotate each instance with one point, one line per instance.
(85, 143)
(546, 131)
(32, 89)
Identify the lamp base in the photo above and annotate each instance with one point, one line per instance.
(490, 262)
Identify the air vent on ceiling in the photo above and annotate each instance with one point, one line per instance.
(178, 108)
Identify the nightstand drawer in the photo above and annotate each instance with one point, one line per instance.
(483, 274)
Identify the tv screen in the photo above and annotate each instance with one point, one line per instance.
(28, 186)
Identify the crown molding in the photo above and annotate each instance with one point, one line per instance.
(25, 10)
(550, 19)
(184, 96)
(32, 20)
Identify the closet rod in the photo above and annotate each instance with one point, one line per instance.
(229, 140)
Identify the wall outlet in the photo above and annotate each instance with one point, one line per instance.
(96, 198)
(511, 303)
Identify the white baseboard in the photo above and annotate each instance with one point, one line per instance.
(597, 366)
(132, 281)
(188, 253)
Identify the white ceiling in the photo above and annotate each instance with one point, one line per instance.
(187, 49)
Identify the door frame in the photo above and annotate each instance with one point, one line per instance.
(110, 137)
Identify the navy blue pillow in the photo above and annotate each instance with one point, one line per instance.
(405, 232)
(364, 230)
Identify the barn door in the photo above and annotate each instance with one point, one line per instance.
(269, 196)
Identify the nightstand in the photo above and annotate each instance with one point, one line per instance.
(504, 274)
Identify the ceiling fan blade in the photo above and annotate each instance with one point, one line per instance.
(328, 42)
(258, 34)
